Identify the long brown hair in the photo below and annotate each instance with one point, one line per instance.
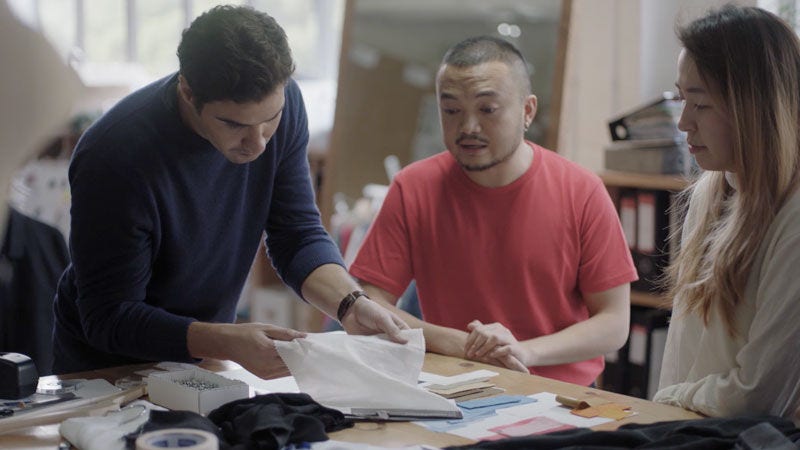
(753, 58)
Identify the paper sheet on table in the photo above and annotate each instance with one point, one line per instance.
(545, 407)
(344, 371)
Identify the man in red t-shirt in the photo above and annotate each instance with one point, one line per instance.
(517, 253)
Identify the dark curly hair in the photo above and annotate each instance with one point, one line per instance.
(234, 53)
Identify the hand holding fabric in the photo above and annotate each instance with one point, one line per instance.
(249, 344)
(367, 317)
(256, 351)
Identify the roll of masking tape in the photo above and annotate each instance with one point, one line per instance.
(186, 438)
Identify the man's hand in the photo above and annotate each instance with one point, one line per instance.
(507, 361)
(494, 342)
(248, 344)
(367, 317)
(256, 350)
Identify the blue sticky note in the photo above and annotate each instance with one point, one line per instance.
(477, 409)
(491, 401)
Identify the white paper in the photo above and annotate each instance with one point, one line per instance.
(544, 406)
(431, 380)
(260, 385)
(344, 371)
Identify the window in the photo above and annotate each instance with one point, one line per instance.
(134, 41)
(786, 9)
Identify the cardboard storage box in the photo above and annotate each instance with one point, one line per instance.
(195, 390)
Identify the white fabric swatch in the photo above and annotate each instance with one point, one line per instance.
(344, 371)
(106, 432)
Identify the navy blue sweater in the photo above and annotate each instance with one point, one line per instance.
(165, 229)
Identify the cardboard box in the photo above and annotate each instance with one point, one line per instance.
(173, 390)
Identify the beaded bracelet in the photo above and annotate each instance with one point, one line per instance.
(347, 302)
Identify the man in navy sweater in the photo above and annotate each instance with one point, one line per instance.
(171, 192)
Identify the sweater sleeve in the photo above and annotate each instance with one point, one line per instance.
(113, 235)
(296, 240)
(766, 377)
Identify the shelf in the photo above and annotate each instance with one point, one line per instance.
(612, 178)
(648, 299)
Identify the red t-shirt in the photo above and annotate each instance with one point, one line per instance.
(520, 254)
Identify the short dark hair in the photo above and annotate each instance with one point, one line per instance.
(234, 53)
(482, 49)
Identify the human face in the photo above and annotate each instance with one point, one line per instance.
(484, 112)
(705, 119)
(240, 131)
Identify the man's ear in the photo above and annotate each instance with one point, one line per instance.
(185, 90)
(531, 105)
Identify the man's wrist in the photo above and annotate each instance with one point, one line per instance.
(347, 303)
(445, 341)
(203, 340)
(528, 355)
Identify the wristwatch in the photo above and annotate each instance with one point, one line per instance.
(347, 302)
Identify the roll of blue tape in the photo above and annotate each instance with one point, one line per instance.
(185, 438)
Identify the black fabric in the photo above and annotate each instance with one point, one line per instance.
(272, 421)
(32, 258)
(700, 434)
(264, 422)
(764, 435)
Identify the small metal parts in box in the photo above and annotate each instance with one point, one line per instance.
(195, 390)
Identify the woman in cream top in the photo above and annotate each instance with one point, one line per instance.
(732, 343)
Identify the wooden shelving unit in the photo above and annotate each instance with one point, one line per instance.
(615, 180)
(612, 178)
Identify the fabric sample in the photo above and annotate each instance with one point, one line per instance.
(367, 372)
(264, 422)
(700, 434)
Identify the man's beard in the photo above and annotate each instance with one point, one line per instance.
(490, 164)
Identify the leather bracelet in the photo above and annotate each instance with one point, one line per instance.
(347, 302)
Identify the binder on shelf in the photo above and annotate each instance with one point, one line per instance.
(647, 139)
(646, 218)
(615, 374)
(657, 119)
(651, 254)
(627, 216)
(645, 350)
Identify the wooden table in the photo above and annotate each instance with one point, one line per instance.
(397, 434)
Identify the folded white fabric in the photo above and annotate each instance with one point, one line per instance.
(344, 371)
(106, 432)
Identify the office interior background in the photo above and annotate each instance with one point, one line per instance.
(366, 69)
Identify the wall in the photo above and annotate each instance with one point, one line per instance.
(386, 103)
(37, 95)
(621, 53)
(425, 45)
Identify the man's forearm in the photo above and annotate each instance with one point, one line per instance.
(584, 340)
(438, 339)
(326, 286)
(445, 341)
(605, 330)
(207, 340)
